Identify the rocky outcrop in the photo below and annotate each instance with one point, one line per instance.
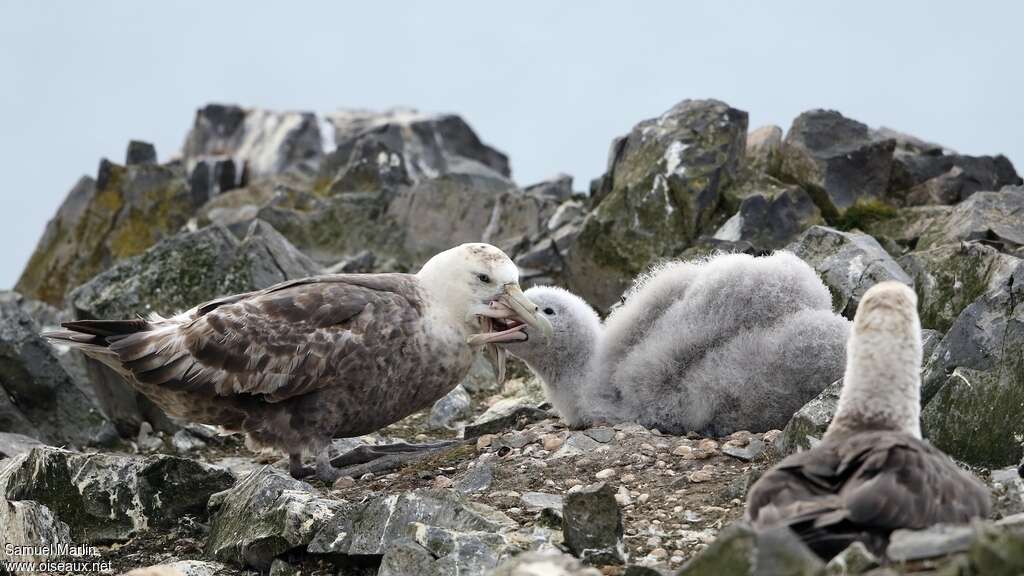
(663, 186)
(120, 214)
(975, 378)
(769, 214)
(37, 396)
(849, 263)
(836, 160)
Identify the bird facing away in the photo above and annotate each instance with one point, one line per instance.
(305, 361)
(872, 473)
(729, 343)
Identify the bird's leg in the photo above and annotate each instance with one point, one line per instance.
(296, 468)
(324, 470)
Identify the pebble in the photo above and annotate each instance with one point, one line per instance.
(628, 478)
(551, 442)
(654, 541)
(605, 474)
(622, 497)
(708, 445)
(702, 475)
(643, 498)
(683, 451)
(676, 559)
(367, 477)
(602, 435)
(659, 554)
(344, 482)
(771, 436)
(442, 481)
(484, 441)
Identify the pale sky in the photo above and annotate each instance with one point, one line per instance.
(548, 83)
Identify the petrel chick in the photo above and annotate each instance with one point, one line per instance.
(305, 361)
(872, 473)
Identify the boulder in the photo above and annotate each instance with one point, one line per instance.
(848, 262)
(807, 426)
(557, 188)
(764, 149)
(104, 498)
(433, 551)
(741, 551)
(175, 275)
(140, 153)
(260, 143)
(950, 277)
(990, 217)
(975, 378)
(836, 160)
(592, 525)
(769, 214)
(37, 396)
(663, 186)
(950, 178)
(265, 514)
(120, 214)
(429, 144)
(546, 563)
(374, 526)
(447, 411)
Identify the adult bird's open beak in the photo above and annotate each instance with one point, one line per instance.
(511, 304)
(525, 310)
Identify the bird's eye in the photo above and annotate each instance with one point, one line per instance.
(549, 311)
(484, 278)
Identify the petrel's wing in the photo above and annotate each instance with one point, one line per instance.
(281, 342)
(863, 488)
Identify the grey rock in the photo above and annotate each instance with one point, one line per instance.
(477, 479)
(109, 498)
(433, 551)
(950, 277)
(263, 515)
(1007, 491)
(663, 186)
(140, 153)
(536, 501)
(770, 214)
(175, 275)
(940, 540)
(807, 426)
(212, 176)
(505, 415)
(558, 188)
(764, 149)
(261, 143)
(372, 527)
(184, 442)
(281, 568)
(576, 444)
(950, 178)
(120, 214)
(12, 445)
(929, 342)
(481, 376)
(836, 159)
(989, 217)
(741, 551)
(975, 377)
(28, 525)
(856, 559)
(37, 396)
(848, 262)
(546, 563)
(429, 143)
(751, 451)
(603, 434)
(567, 212)
(360, 263)
(186, 568)
(447, 411)
(592, 524)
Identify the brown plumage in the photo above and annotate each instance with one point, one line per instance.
(872, 473)
(308, 360)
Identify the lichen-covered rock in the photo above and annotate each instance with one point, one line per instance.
(546, 563)
(975, 378)
(173, 276)
(261, 143)
(433, 551)
(371, 527)
(109, 498)
(990, 217)
(770, 214)
(836, 160)
(263, 515)
(848, 262)
(950, 277)
(592, 524)
(120, 214)
(807, 426)
(741, 551)
(37, 396)
(663, 186)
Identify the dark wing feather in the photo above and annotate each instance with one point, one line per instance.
(862, 487)
(284, 341)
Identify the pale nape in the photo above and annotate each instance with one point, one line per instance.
(727, 343)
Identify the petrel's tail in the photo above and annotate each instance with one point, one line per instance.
(94, 337)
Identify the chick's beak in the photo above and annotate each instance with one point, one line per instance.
(525, 310)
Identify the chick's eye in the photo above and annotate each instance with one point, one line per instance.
(484, 278)
(549, 311)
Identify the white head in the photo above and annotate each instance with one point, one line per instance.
(882, 385)
(470, 278)
(563, 361)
